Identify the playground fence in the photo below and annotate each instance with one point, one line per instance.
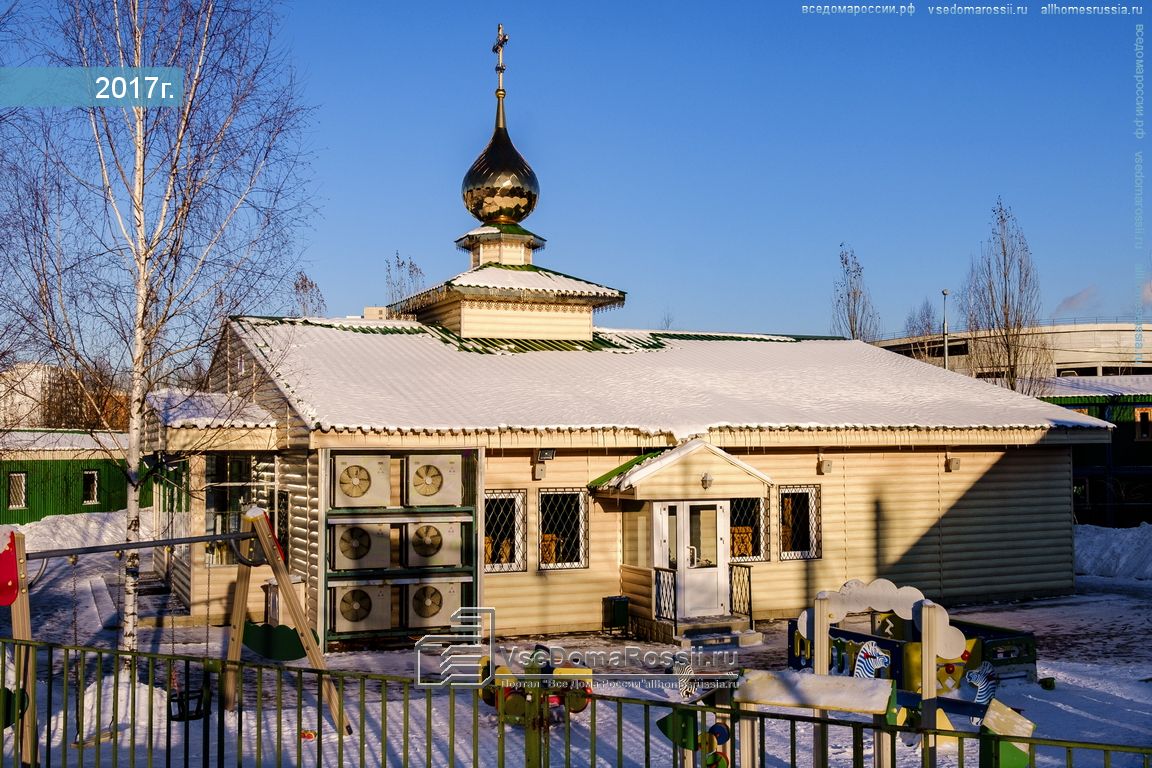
(97, 707)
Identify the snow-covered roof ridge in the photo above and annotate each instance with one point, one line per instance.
(62, 440)
(180, 408)
(339, 378)
(529, 277)
(511, 281)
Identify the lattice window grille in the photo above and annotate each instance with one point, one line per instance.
(90, 490)
(17, 490)
(563, 528)
(800, 522)
(748, 530)
(505, 531)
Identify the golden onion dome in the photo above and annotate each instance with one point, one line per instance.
(500, 187)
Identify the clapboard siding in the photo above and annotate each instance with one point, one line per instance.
(554, 600)
(446, 315)
(297, 478)
(636, 585)
(999, 526)
(492, 320)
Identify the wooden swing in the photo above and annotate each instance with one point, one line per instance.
(189, 703)
(256, 520)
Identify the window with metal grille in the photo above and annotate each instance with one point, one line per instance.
(749, 530)
(504, 527)
(1143, 419)
(799, 522)
(91, 488)
(563, 528)
(17, 490)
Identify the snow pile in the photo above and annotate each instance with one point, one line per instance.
(63, 531)
(1117, 552)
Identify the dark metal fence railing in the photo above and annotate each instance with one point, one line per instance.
(92, 707)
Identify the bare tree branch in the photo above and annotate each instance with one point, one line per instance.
(133, 233)
(1002, 302)
(853, 314)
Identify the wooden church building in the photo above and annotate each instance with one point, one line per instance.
(484, 442)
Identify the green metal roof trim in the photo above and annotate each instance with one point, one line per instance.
(721, 337)
(1098, 399)
(384, 330)
(516, 346)
(513, 229)
(603, 479)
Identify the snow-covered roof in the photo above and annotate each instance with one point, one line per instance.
(524, 281)
(61, 440)
(1096, 386)
(530, 279)
(178, 408)
(634, 473)
(380, 375)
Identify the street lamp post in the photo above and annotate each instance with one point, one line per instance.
(945, 292)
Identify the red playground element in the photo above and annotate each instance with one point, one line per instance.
(9, 569)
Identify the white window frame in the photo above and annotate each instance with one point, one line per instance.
(95, 498)
(23, 490)
(581, 528)
(519, 562)
(765, 540)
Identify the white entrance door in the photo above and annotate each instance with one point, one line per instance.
(694, 543)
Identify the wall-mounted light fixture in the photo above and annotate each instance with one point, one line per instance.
(952, 464)
(705, 481)
(823, 467)
(542, 455)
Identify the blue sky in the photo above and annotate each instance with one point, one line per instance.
(709, 159)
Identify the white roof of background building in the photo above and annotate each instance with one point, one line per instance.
(61, 440)
(178, 408)
(1096, 386)
(378, 375)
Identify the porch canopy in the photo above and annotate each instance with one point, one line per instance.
(208, 421)
(695, 469)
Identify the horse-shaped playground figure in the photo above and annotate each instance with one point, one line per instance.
(985, 680)
(870, 660)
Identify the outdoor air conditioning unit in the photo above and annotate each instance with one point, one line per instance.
(357, 546)
(433, 543)
(434, 481)
(361, 607)
(431, 604)
(361, 481)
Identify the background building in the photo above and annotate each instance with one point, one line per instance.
(1088, 348)
(1112, 483)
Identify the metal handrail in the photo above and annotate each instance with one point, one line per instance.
(740, 591)
(664, 597)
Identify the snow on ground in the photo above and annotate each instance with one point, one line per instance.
(1095, 644)
(1118, 552)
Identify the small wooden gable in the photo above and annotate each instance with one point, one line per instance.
(693, 470)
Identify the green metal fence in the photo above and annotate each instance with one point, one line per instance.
(98, 707)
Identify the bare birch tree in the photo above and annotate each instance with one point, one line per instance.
(136, 231)
(402, 277)
(923, 325)
(1002, 307)
(853, 314)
